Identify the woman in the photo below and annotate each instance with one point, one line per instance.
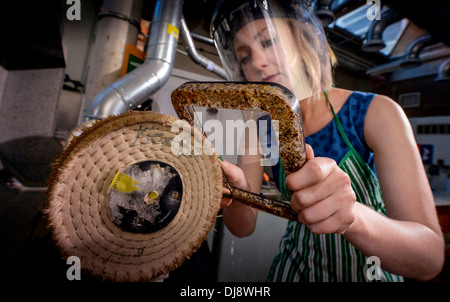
(363, 191)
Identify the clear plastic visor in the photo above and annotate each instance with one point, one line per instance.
(259, 45)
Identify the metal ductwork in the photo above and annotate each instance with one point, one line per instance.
(444, 71)
(438, 53)
(325, 13)
(195, 56)
(374, 41)
(413, 51)
(135, 87)
(202, 39)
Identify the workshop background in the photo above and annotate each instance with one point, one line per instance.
(57, 56)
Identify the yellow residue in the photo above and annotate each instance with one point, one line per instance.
(124, 183)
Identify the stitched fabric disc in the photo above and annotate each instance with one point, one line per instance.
(81, 210)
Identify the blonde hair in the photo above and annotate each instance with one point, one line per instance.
(317, 57)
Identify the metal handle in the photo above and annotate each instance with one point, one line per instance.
(275, 207)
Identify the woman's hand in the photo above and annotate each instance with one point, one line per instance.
(323, 196)
(236, 177)
(239, 218)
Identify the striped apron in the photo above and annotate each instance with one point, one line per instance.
(305, 256)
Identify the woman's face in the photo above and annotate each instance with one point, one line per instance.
(267, 52)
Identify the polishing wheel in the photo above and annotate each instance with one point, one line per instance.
(125, 204)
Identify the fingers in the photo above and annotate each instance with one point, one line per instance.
(226, 201)
(318, 212)
(327, 217)
(339, 222)
(322, 195)
(226, 191)
(334, 183)
(330, 225)
(309, 152)
(235, 175)
(314, 171)
(292, 181)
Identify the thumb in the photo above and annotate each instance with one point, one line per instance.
(309, 152)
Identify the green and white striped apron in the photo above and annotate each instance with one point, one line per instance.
(305, 256)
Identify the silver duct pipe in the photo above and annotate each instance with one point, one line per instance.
(374, 41)
(202, 39)
(414, 49)
(134, 88)
(195, 56)
(443, 72)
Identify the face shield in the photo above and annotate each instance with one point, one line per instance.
(267, 41)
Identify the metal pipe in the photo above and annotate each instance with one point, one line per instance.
(195, 56)
(325, 13)
(135, 87)
(412, 52)
(432, 55)
(111, 37)
(444, 71)
(202, 38)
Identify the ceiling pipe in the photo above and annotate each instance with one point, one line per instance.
(325, 13)
(443, 72)
(195, 56)
(439, 53)
(340, 5)
(374, 41)
(202, 38)
(413, 51)
(135, 87)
